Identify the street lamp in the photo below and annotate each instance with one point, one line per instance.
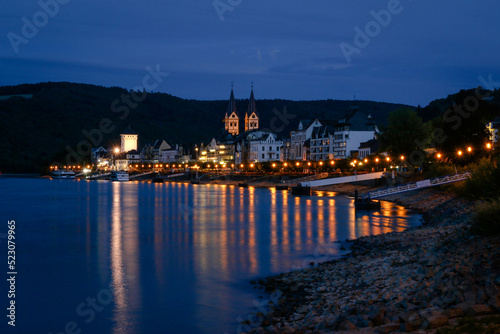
(488, 146)
(469, 149)
(460, 153)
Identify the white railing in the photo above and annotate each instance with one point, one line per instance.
(419, 185)
(308, 178)
(343, 179)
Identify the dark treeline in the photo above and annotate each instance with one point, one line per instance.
(37, 130)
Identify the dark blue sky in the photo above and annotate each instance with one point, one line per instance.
(413, 51)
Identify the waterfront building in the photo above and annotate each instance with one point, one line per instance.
(128, 140)
(257, 146)
(367, 148)
(218, 151)
(298, 138)
(100, 158)
(322, 140)
(351, 131)
(152, 151)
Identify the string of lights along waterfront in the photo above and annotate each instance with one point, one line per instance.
(136, 257)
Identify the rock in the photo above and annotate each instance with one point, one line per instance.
(454, 312)
(389, 328)
(479, 309)
(494, 302)
(377, 317)
(481, 297)
(437, 321)
(321, 289)
(346, 325)
(414, 320)
(320, 325)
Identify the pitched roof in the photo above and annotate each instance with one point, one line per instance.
(251, 105)
(372, 144)
(129, 131)
(232, 104)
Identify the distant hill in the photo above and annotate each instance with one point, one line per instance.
(37, 126)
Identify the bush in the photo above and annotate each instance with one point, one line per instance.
(436, 170)
(486, 220)
(485, 181)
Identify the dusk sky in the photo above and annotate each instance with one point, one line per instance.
(417, 50)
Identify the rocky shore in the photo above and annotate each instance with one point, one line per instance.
(432, 278)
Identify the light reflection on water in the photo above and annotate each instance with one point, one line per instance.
(181, 256)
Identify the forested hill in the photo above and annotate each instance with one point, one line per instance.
(35, 130)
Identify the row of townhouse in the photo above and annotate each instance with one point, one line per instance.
(318, 140)
(126, 155)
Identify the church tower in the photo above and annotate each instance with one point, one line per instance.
(251, 116)
(232, 120)
(128, 140)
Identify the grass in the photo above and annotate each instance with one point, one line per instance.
(486, 220)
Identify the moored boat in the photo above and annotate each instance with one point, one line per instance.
(301, 191)
(158, 178)
(119, 176)
(63, 174)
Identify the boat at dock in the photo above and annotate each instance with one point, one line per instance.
(63, 174)
(158, 178)
(119, 176)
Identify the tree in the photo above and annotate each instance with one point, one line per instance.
(405, 135)
(463, 125)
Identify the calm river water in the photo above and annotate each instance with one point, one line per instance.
(104, 257)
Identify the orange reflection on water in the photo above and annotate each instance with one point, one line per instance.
(296, 225)
(124, 257)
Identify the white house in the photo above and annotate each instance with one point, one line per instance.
(258, 146)
(351, 131)
(299, 137)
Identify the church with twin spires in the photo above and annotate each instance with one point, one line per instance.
(232, 118)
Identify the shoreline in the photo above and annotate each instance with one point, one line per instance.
(418, 280)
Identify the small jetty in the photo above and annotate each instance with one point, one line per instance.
(281, 187)
(365, 203)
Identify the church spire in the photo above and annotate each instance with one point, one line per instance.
(232, 120)
(251, 116)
